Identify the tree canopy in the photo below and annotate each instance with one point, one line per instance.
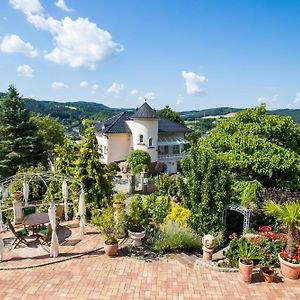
(50, 130)
(168, 113)
(20, 145)
(260, 146)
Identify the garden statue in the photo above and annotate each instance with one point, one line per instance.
(18, 207)
(123, 166)
(208, 242)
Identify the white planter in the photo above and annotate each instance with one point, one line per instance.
(137, 237)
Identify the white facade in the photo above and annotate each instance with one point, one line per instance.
(144, 130)
(145, 136)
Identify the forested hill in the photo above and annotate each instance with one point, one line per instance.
(70, 111)
(222, 111)
(76, 111)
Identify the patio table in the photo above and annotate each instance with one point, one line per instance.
(36, 219)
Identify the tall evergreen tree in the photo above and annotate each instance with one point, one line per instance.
(20, 146)
(205, 187)
(91, 172)
(66, 157)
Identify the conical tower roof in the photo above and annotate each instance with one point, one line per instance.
(145, 112)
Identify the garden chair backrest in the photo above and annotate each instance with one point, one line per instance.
(59, 211)
(12, 229)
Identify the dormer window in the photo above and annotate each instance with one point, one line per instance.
(150, 142)
(141, 139)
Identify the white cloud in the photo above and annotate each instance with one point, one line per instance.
(58, 85)
(83, 84)
(25, 70)
(150, 96)
(95, 86)
(297, 98)
(268, 100)
(12, 43)
(77, 43)
(115, 88)
(192, 81)
(179, 99)
(134, 92)
(62, 5)
(28, 6)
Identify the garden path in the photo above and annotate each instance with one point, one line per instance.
(96, 276)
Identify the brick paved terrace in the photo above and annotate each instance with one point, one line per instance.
(95, 276)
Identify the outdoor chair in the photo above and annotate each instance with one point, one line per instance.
(19, 236)
(28, 210)
(59, 214)
(44, 235)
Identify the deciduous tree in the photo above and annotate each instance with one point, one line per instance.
(260, 146)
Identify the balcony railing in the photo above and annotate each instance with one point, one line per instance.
(164, 157)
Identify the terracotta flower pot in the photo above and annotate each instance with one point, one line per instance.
(289, 270)
(268, 274)
(137, 237)
(111, 250)
(245, 272)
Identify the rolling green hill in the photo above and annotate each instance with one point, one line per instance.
(70, 112)
(222, 111)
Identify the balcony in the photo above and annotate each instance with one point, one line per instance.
(170, 156)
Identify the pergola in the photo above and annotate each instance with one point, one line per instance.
(242, 210)
(45, 178)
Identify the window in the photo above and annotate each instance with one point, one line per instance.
(150, 142)
(175, 149)
(141, 139)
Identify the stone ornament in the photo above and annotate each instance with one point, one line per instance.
(208, 242)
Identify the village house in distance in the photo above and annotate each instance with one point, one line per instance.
(143, 129)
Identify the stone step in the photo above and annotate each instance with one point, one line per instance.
(186, 259)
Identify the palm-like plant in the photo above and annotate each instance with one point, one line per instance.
(248, 251)
(289, 214)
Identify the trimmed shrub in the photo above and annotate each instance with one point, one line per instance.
(160, 209)
(179, 214)
(174, 237)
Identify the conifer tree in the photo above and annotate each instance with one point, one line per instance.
(91, 172)
(20, 146)
(66, 157)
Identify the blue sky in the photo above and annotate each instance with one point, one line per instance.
(190, 54)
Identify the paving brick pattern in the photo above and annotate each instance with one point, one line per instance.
(99, 277)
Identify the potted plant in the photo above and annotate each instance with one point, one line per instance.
(289, 214)
(137, 220)
(248, 251)
(110, 230)
(268, 273)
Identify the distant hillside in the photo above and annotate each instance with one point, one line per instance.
(70, 112)
(222, 111)
(196, 114)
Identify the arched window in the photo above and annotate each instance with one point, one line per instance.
(141, 139)
(150, 142)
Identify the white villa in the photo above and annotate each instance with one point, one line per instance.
(143, 129)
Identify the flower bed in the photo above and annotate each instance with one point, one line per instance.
(270, 242)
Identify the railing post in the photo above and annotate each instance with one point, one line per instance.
(1, 219)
